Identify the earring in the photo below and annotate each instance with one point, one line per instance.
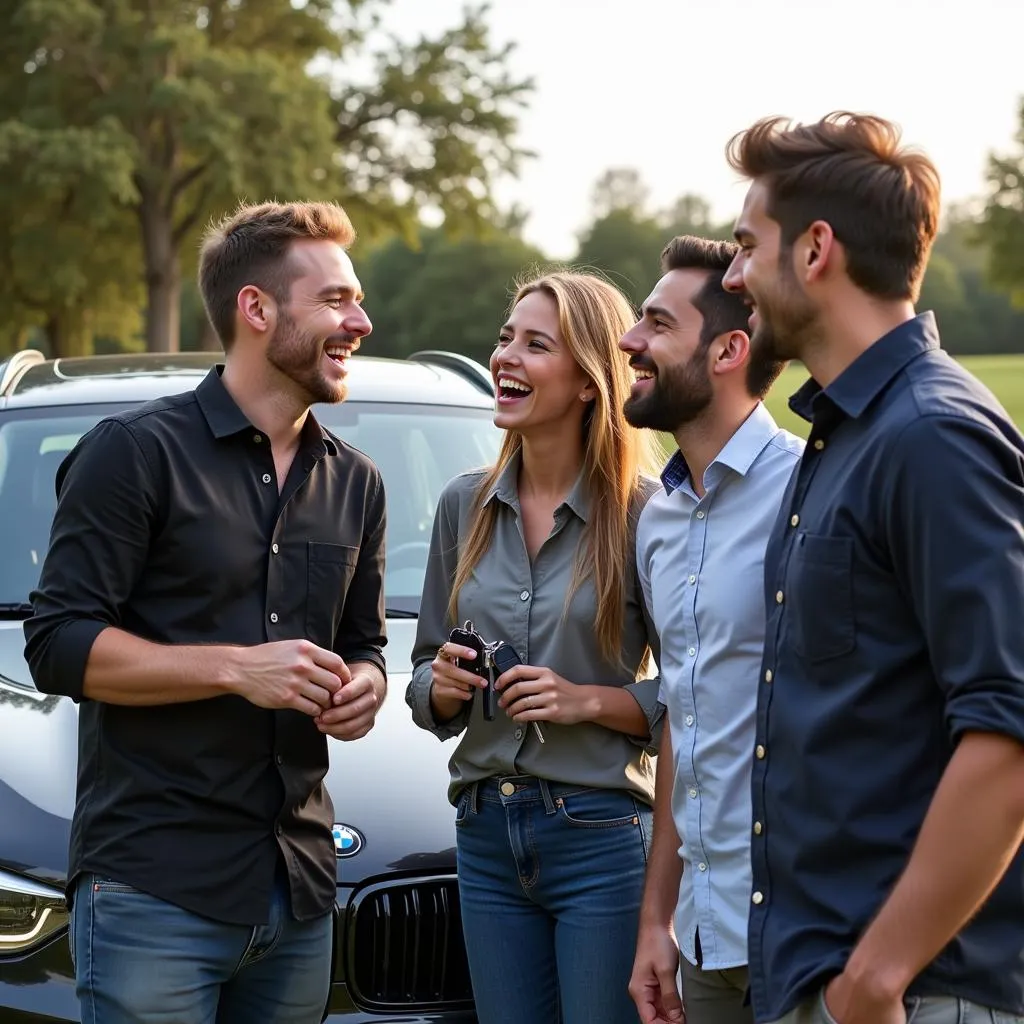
(584, 397)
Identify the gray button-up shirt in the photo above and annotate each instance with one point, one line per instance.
(509, 599)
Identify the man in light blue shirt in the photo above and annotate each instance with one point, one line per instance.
(700, 554)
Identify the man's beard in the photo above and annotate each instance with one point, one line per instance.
(786, 320)
(678, 395)
(297, 355)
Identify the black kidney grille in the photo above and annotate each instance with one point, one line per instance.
(405, 946)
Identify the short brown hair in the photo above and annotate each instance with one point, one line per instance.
(250, 247)
(722, 311)
(880, 198)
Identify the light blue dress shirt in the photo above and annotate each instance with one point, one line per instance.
(701, 567)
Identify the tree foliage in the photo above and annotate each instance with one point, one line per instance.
(1002, 227)
(145, 118)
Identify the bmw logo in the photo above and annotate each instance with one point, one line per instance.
(347, 841)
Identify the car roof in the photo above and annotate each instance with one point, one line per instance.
(426, 378)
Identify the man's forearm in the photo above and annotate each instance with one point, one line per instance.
(125, 669)
(664, 868)
(972, 831)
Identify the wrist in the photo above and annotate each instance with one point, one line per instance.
(227, 669)
(881, 978)
(592, 702)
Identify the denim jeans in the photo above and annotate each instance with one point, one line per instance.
(139, 960)
(550, 881)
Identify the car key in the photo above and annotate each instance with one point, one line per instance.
(503, 657)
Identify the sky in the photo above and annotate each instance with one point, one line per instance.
(661, 85)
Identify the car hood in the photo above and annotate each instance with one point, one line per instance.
(390, 787)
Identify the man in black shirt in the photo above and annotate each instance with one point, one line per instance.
(888, 768)
(213, 598)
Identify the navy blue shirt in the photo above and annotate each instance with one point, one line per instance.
(895, 589)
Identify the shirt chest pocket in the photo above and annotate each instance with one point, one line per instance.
(820, 598)
(329, 571)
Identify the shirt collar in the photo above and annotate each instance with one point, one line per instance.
(225, 418)
(506, 489)
(871, 372)
(740, 452)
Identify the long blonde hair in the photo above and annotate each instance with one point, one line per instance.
(592, 316)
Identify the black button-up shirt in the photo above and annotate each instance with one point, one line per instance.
(170, 525)
(895, 589)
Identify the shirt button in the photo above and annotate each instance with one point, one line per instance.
(274, 548)
(519, 734)
(779, 597)
(757, 828)
(280, 830)
(266, 478)
(702, 866)
(257, 438)
(768, 675)
(689, 719)
(692, 651)
(279, 759)
(524, 596)
(700, 514)
(522, 657)
(759, 752)
(794, 520)
(757, 898)
(693, 793)
(819, 444)
(693, 579)
(273, 616)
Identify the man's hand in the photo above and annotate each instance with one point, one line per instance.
(354, 708)
(653, 985)
(292, 674)
(848, 1003)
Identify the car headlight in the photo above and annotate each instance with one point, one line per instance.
(30, 913)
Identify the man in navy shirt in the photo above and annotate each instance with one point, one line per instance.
(888, 781)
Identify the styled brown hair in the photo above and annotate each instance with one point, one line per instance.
(880, 198)
(250, 247)
(722, 311)
(592, 316)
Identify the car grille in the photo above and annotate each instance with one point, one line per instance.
(404, 946)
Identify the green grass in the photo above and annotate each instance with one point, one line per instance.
(1003, 375)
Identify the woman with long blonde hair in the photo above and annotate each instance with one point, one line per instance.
(553, 790)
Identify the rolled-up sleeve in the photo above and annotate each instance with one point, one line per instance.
(362, 631)
(956, 528)
(433, 626)
(647, 692)
(107, 505)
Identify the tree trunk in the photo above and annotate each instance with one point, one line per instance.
(163, 275)
(63, 341)
(208, 340)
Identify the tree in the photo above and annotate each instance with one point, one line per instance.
(206, 101)
(1002, 227)
(624, 240)
(447, 293)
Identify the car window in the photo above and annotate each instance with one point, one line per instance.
(417, 448)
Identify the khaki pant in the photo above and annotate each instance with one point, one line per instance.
(920, 1010)
(715, 997)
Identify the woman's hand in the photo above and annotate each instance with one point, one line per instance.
(451, 686)
(530, 694)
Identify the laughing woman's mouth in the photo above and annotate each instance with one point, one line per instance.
(511, 390)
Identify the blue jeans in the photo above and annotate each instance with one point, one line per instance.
(550, 881)
(139, 960)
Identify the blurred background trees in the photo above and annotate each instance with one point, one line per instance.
(127, 125)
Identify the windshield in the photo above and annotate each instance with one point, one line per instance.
(417, 448)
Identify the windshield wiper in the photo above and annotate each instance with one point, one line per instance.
(400, 613)
(15, 609)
